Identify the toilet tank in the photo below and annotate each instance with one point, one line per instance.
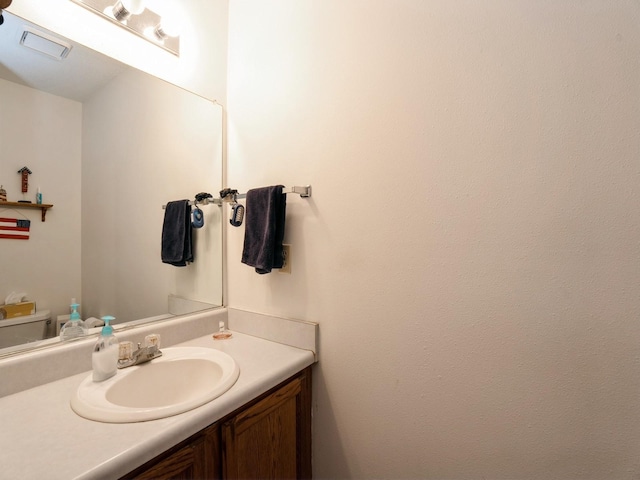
(19, 330)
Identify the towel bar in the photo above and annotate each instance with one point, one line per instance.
(304, 192)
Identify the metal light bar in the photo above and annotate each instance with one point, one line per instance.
(144, 24)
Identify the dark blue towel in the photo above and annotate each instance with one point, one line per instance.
(264, 228)
(177, 247)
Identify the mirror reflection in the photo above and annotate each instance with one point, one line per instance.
(107, 146)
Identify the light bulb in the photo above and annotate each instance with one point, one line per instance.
(123, 9)
(172, 25)
(136, 7)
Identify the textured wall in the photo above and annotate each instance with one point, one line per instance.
(471, 248)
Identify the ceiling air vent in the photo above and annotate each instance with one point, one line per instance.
(44, 43)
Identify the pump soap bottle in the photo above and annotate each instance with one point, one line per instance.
(74, 327)
(105, 354)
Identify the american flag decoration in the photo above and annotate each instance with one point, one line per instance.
(15, 228)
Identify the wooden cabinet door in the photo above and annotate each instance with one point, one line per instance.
(272, 438)
(195, 459)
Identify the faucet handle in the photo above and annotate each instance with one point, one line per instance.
(125, 351)
(152, 340)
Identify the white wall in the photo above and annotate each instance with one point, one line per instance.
(145, 143)
(43, 132)
(201, 66)
(471, 248)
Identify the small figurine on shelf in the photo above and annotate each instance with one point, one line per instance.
(25, 172)
(3, 194)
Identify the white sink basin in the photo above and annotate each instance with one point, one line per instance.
(181, 379)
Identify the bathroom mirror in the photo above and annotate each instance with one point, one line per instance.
(107, 146)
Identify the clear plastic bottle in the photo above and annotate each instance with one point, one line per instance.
(75, 327)
(105, 354)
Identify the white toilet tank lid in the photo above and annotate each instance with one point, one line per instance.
(36, 317)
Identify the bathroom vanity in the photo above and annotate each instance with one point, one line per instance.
(261, 427)
(268, 438)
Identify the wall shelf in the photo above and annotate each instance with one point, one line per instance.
(43, 206)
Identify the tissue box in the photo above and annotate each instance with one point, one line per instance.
(17, 310)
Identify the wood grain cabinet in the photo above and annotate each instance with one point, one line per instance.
(269, 438)
(197, 457)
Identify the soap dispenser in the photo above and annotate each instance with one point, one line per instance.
(74, 327)
(105, 354)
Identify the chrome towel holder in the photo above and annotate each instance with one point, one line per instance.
(233, 196)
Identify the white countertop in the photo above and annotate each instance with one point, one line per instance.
(42, 438)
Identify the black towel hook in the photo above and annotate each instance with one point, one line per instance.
(198, 215)
(202, 196)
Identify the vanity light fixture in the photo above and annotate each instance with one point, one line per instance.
(169, 27)
(123, 9)
(135, 17)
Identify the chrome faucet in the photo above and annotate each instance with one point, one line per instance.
(129, 358)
